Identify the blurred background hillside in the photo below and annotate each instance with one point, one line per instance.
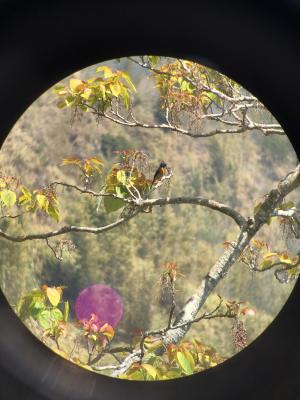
(237, 170)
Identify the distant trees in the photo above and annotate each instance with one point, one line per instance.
(192, 97)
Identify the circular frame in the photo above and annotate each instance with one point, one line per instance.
(41, 44)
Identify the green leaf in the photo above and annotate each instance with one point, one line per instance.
(120, 192)
(153, 60)
(266, 264)
(173, 373)
(149, 357)
(213, 97)
(54, 295)
(150, 370)
(184, 363)
(58, 89)
(61, 104)
(44, 319)
(111, 204)
(53, 212)
(70, 100)
(83, 108)
(36, 308)
(128, 80)
(56, 314)
(66, 311)
(125, 96)
(286, 206)
(136, 376)
(8, 197)
(190, 358)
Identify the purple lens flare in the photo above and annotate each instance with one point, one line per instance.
(101, 300)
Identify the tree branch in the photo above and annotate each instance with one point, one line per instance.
(137, 355)
(240, 128)
(236, 102)
(12, 216)
(275, 196)
(231, 255)
(202, 201)
(140, 204)
(68, 229)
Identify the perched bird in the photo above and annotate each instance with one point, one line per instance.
(161, 170)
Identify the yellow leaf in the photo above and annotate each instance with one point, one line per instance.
(102, 90)
(76, 85)
(8, 197)
(54, 295)
(86, 94)
(285, 258)
(150, 370)
(106, 70)
(43, 202)
(26, 197)
(129, 81)
(96, 160)
(71, 160)
(115, 89)
(269, 255)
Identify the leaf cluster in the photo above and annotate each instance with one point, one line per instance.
(185, 86)
(179, 360)
(100, 334)
(45, 306)
(98, 92)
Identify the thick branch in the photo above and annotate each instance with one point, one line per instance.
(137, 355)
(202, 201)
(139, 203)
(231, 255)
(289, 183)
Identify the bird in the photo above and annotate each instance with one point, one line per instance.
(159, 173)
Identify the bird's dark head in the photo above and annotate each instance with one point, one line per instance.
(162, 164)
